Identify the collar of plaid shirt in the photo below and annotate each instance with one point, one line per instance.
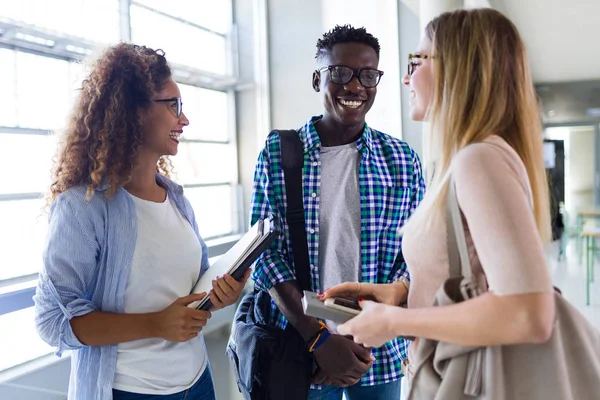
(391, 186)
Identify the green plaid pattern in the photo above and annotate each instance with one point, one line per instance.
(391, 187)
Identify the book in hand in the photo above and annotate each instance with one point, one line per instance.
(237, 260)
(338, 310)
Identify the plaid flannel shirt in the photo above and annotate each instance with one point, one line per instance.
(391, 187)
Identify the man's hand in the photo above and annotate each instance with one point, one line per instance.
(393, 294)
(341, 361)
(227, 290)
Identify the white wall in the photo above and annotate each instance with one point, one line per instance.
(381, 20)
(581, 167)
(292, 61)
(41, 380)
(560, 36)
(294, 27)
(409, 34)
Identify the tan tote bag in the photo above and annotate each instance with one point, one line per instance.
(565, 367)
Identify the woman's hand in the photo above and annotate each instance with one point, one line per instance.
(393, 294)
(227, 290)
(179, 323)
(373, 327)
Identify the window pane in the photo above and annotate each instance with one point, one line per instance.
(205, 163)
(183, 44)
(77, 73)
(208, 112)
(96, 20)
(20, 341)
(213, 207)
(8, 104)
(41, 102)
(31, 156)
(23, 228)
(214, 15)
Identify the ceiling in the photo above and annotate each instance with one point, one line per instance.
(570, 101)
(561, 36)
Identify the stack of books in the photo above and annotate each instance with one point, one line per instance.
(237, 260)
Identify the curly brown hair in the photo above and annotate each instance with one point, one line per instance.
(104, 133)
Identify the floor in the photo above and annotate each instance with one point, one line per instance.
(568, 275)
(225, 385)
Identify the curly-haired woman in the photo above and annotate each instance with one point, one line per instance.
(123, 250)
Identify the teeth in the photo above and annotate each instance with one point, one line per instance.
(351, 103)
(174, 135)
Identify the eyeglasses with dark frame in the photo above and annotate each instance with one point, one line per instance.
(342, 75)
(176, 103)
(412, 66)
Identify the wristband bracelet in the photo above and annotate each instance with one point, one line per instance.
(319, 338)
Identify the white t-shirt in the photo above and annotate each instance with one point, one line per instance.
(166, 264)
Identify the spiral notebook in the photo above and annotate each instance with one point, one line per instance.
(237, 260)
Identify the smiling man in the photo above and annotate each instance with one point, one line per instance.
(360, 187)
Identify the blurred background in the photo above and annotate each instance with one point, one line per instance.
(244, 67)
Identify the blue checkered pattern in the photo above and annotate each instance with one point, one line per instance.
(391, 187)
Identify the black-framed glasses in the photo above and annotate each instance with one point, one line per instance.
(340, 74)
(177, 105)
(412, 64)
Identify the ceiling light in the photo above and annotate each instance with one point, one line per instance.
(593, 112)
(79, 50)
(35, 39)
(181, 74)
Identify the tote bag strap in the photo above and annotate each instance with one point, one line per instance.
(458, 253)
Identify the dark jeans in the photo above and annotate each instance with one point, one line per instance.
(386, 391)
(203, 389)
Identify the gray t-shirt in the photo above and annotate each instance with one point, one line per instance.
(339, 216)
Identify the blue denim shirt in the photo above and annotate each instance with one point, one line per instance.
(87, 260)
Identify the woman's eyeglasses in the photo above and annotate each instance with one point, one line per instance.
(176, 106)
(342, 75)
(413, 64)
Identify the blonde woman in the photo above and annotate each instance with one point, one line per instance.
(470, 78)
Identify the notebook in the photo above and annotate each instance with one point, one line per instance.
(237, 260)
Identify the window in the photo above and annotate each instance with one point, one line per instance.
(95, 20)
(40, 70)
(183, 40)
(32, 107)
(206, 163)
(208, 112)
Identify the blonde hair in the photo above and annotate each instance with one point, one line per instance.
(482, 86)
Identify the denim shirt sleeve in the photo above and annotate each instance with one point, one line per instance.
(70, 260)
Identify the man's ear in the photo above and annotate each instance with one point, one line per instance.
(316, 81)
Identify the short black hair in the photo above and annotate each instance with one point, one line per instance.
(346, 34)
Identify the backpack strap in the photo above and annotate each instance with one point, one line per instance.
(292, 163)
